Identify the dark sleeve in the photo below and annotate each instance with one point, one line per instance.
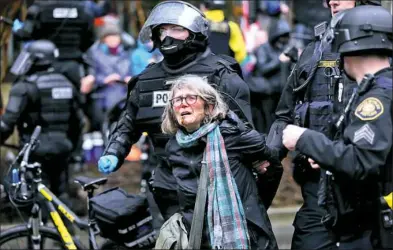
(265, 63)
(252, 146)
(122, 137)
(361, 153)
(286, 105)
(238, 92)
(30, 26)
(17, 103)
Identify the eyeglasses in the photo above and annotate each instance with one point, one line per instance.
(190, 99)
(172, 31)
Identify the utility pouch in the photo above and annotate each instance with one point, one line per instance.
(321, 117)
(301, 113)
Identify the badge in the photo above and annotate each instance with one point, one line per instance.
(327, 64)
(369, 109)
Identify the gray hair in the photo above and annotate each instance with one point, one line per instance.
(205, 91)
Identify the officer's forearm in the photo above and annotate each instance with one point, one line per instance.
(121, 139)
(339, 158)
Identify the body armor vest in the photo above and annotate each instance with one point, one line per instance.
(63, 23)
(52, 111)
(320, 103)
(219, 36)
(154, 86)
(325, 96)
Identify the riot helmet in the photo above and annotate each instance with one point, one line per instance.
(36, 53)
(214, 4)
(44, 52)
(363, 29)
(177, 13)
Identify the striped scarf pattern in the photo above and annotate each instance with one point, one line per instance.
(225, 214)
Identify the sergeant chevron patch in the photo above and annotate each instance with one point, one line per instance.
(365, 132)
(369, 109)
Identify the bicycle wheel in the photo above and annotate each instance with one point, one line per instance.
(19, 238)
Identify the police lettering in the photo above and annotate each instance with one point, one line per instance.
(160, 98)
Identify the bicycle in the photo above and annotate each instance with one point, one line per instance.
(27, 189)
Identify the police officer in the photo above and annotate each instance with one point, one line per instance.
(315, 93)
(225, 37)
(359, 164)
(179, 30)
(69, 25)
(42, 97)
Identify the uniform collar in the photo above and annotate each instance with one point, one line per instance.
(386, 71)
(215, 15)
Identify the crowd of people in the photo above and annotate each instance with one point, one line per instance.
(223, 109)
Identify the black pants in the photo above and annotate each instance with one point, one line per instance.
(309, 232)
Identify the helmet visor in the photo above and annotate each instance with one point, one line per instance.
(176, 13)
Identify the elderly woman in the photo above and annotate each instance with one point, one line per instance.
(205, 131)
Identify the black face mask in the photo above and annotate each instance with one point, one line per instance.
(177, 52)
(171, 46)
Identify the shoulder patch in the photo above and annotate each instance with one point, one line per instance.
(369, 109)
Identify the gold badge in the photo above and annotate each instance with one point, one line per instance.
(327, 64)
(369, 109)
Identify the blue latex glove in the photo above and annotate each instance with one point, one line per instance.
(107, 163)
(17, 25)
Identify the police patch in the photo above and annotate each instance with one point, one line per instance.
(369, 109)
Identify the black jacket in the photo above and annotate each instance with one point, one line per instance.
(243, 146)
(362, 158)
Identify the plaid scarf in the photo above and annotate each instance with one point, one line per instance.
(225, 214)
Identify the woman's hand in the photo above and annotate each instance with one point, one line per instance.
(260, 167)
